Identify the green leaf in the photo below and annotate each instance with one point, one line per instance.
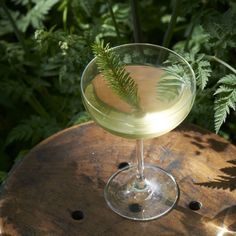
(33, 129)
(21, 155)
(203, 72)
(201, 67)
(79, 118)
(3, 176)
(5, 25)
(225, 99)
(228, 79)
(117, 77)
(37, 14)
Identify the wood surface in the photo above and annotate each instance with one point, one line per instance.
(58, 188)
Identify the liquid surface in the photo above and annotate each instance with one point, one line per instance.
(164, 100)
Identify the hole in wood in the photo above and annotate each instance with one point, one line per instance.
(77, 215)
(123, 164)
(135, 207)
(195, 205)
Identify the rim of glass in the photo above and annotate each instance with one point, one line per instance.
(138, 44)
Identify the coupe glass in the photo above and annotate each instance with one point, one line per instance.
(166, 87)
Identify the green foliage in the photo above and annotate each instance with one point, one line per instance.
(33, 129)
(210, 36)
(3, 175)
(225, 99)
(79, 118)
(201, 67)
(44, 48)
(118, 79)
(35, 16)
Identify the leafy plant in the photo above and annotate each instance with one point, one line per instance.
(225, 99)
(35, 16)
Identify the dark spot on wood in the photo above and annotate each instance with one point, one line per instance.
(195, 205)
(123, 165)
(135, 207)
(217, 145)
(77, 215)
(200, 146)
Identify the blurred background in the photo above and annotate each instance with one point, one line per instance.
(46, 44)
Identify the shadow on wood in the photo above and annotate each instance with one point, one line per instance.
(227, 181)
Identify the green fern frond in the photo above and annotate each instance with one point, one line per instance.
(117, 78)
(22, 2)
(203, 72)
(225, 99)
(201, 67)
(36, 15)
(33, 129)
(228, 79)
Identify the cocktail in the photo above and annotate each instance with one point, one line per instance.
(139, 91)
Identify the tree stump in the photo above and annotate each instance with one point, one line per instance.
(58, 187)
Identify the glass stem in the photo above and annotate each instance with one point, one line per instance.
(139, 155)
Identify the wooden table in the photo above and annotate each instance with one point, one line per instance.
(58, 188)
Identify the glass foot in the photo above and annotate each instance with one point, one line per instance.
(149, 199)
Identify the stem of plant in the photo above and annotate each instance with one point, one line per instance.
(14, 26)
(140, 159)
(136, 22)
(113, 18)
(222, 62)
(170, 29)
(36, 105)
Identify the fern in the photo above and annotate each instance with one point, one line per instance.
(225, 99)
(201, 67)
(37, 14)
(5, 25)
(34, 17)
(221, 29)
(33, 129)
(23, 2)
(115, 75)
(121, 13)
(203, 72)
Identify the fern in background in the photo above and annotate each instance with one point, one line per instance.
(35, 16)
(225, 99)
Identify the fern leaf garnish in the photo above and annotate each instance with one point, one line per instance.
(225, 99)
(117, 78)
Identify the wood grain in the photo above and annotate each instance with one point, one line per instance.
(65, 175)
